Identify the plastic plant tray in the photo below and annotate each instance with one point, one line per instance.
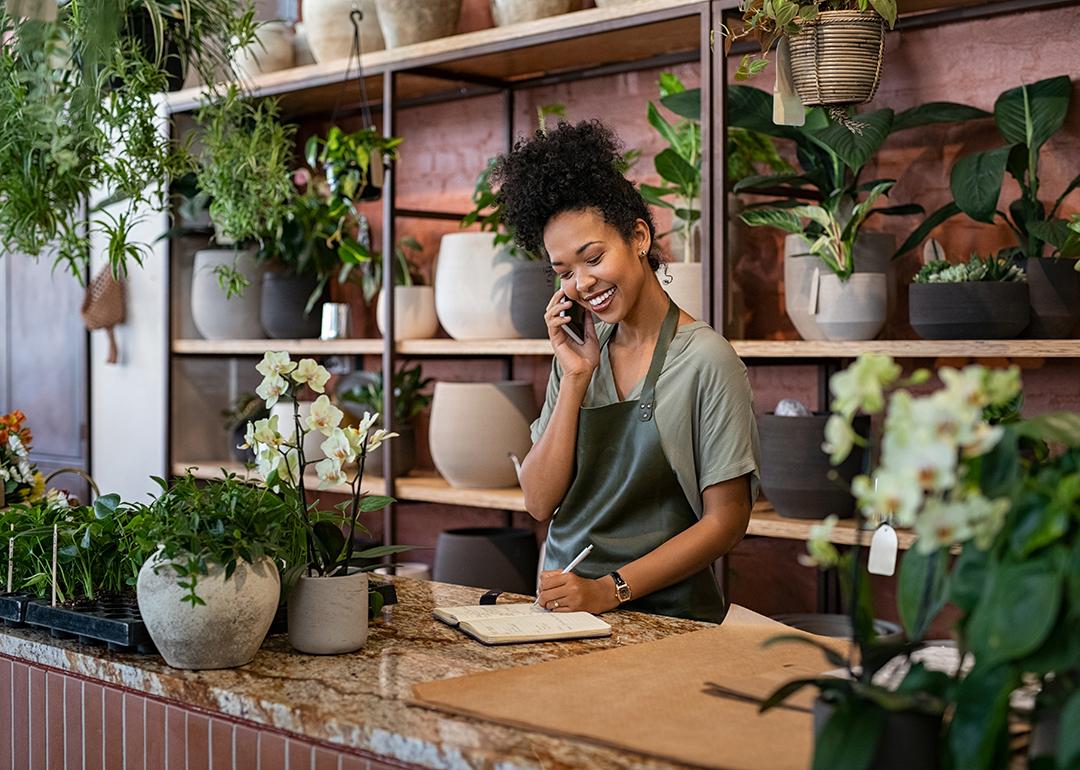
(113, 621)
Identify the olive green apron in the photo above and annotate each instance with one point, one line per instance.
(627, 501)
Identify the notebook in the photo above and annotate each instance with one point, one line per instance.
(518, 623)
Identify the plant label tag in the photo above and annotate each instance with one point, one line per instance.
(883, 549)
(815, 285)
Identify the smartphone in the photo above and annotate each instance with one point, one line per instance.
(575, 330)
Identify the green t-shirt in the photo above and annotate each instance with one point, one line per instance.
(704, 409)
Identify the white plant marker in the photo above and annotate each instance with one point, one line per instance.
(10, 560)
(883, 548)
(55, 542)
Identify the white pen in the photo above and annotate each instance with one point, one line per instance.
(566, 570)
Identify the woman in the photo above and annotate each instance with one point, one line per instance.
(646, 447)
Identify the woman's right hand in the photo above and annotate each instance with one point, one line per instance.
(574, 359)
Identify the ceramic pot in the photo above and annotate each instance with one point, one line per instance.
(329, 615)
(287, 428)
(416, 570)
(1054, 288)
(853, 309)
(795, 472)
(225, 632)
(329, 30)
(499, 559)
(414, 313)
(281, 310)
(475, 426)
(684, 285)
(404, 449)
(506, 12)
(473, 288)
(302, 55)
(837, 626)
(531, 286)
(612, 3)
(405, 22)
(271, 51)
(972, 310)
(907, 740)
(217, 317)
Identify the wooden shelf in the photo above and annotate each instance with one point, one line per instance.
(766, 522)
(447, 347)
(292, 347)
(910, 348)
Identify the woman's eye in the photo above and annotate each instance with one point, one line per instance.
(565, 276)
(594, 260)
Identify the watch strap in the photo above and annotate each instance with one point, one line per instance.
(622, 589)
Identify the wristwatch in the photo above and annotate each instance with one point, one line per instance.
(622, 590)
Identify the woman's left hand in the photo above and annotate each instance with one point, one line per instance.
(573, 593)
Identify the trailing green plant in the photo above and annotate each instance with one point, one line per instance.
(976, 268)
(1026, 117)
(410, 400)
(406, 271)
(766, 21)
(750, 153)
(346, 160)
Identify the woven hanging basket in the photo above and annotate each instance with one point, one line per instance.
(836, 58)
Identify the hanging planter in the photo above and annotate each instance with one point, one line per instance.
(836, 58)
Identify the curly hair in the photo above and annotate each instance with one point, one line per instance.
(569, 168)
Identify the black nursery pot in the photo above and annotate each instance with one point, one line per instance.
(908, 739)
(1054, 286)
(795, 472)
(488, 557)
(281, 312)
(531, 286)
(972, 310)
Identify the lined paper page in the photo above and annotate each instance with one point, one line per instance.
(454, 615)
(536, 627)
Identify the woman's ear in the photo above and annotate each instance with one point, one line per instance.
(642, 239)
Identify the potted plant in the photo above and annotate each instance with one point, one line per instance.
(405, 22)
(328, 592)
(414, 301)
(361, 393)
(209, 591)
(353, 163)
(245, 408)
(506, 12)
(982, 298)
(1026, 117)
(20, 480)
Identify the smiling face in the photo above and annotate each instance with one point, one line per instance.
(599, 267)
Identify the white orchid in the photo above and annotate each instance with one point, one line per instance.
(329, 472)
(338, 448)
(286, 462)
(324, 416)
(308, 371)
(930, 464)
(840, 439)
(861, 385)
(274, 365)
(888, 495)
(821, 552)
(367, 422)
(271, 389)
(986, 518)
(984, 437)
(942, 523)
(265, 432)
(376, 439)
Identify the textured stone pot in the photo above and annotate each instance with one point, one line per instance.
(473, 288)
(287, 428)
(329, 31)
(488, 557)
(404, 449)
(329, 615)
(475, 426)
(506, 12)
(795, 471)
(405, 22)
(271, 51)
(216, 316)
(907, 740)
(684, 285)
(281, 309)
(1054, 288)
(853, 309)
(531, 286)
(972, 310)
(414, 313)
(225, 632)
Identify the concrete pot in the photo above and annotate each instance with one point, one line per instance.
(414, 313)
(908, 739)
(473, 288)
(531, 286)
(972, 310)
(475, 426)
(329, 30)
(853, 309)
(281, 309)
(1054, 288)
(272, 51)
(416, 570)
(217, 317)
(506, 12)
(287, 428)
(329, 615)
(684, 285)
(488, 557)
(225, 632)
(405, 22)
(795, 472)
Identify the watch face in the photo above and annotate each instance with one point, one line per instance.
(624, 592)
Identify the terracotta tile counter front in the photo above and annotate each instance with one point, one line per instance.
(64, 704)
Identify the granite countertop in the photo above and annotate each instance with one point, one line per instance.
(362, 700)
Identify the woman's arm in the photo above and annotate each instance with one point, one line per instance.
(548, 469)
(725, 516)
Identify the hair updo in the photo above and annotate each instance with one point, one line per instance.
(570, 168)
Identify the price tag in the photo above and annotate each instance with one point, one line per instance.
(883, 549)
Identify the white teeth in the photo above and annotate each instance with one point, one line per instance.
(597, 301)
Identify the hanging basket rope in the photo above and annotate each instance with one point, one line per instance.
(836, 61)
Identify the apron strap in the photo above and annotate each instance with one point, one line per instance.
(647, 400)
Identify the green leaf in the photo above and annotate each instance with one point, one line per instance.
(999, 469)
(919, 234)
(768, 180)
(936, 112)
(382, 550)
(922, 591)
(787, 220)
(1069, 734)
(665, 129)
(1031, 114)
(685, 104)
(330, 540)
(886, 9)
(1060, 427)
(976, 183)
(856, 149)
(1055, 232)
(783, 692)
(899, 210)
(751, 108)
(831, 655)
(1068, 189)
(978, 733)
(369, 503)
(674, 168)
(849, 738)
(106, 505)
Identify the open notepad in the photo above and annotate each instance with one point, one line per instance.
(516, 623)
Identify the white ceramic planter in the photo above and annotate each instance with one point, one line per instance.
(853, 309)
(287, 428)
(329, 615)
(473, 288)
(685, 286)
(506, 12)
(474, 428)
(217, 317)
(225, 632)
(405, 22)
(329, 30)
(272, 51)
(414, 313)
(410, 569)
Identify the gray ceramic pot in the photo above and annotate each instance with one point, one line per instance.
(1054, 286)
(531, 287)
(329, 615)
(972, 310)
(405, 22)
(488, 557)
(795, 472)
(284, 297)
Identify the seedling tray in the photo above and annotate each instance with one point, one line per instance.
(13, 608)
(115, 622)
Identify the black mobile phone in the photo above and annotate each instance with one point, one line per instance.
(575, 330)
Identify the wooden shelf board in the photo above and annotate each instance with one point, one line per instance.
(766, 522)
(293, 347)
(909, 348)
(448, 347)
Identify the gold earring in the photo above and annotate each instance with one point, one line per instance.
(642, 254)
